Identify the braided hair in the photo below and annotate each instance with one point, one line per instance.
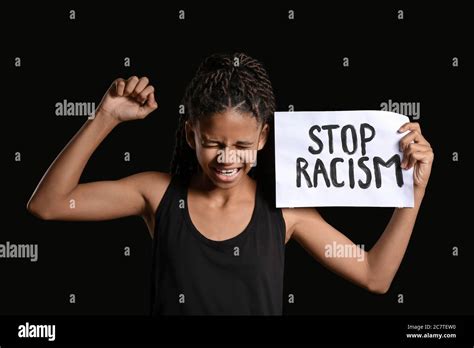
(223, 81)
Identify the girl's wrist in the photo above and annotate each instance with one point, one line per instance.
(106, 119)
(419, 193)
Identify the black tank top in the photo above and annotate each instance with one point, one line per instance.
(194, 275)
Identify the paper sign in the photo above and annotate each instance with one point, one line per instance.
(341, 158)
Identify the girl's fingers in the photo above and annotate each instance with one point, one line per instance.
(130, 85)
(119, 86)
(141, 85)
(413, 136)
(412, 155)
(424, 156)
(149, 106)
(142, 96)
(421, 156)
(410, 126)
(411, 148)
(151, 103)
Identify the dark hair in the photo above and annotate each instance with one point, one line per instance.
(223, 81)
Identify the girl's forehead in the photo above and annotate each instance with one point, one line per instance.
(228, 122)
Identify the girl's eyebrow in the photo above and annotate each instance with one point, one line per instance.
(244, 142)
(239, 142)
(208, 140)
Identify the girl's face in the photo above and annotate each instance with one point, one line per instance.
(226, 145)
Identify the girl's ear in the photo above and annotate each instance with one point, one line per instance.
(263, 136)
(189, 130)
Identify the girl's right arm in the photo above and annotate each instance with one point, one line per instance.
(59, 196)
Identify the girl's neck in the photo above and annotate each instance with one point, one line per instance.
(200, 184)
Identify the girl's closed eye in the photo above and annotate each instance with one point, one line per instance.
(212, 145)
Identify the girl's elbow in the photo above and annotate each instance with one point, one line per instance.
(41, 211)
(378, 287)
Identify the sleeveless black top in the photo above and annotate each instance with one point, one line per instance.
(193, 275)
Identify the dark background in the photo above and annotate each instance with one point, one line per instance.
(407, 60)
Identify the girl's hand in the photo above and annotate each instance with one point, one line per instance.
(417, 153)
(128, 100)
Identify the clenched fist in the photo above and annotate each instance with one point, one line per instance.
(128, 100)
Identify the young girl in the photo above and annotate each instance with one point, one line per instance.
(218, 239)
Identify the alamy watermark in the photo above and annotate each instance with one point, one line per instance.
(67, 108)
(19, 251)
(405, 108)
(28, 330)
(337, 250)
(237, 156)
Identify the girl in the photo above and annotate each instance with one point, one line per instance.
(218, 239)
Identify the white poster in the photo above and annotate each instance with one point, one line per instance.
(341, 158)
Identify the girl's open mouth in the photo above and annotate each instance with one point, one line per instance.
(226, 175)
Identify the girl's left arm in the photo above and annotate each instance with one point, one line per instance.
(375, 269)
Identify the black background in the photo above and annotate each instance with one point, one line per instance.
(407, 60)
